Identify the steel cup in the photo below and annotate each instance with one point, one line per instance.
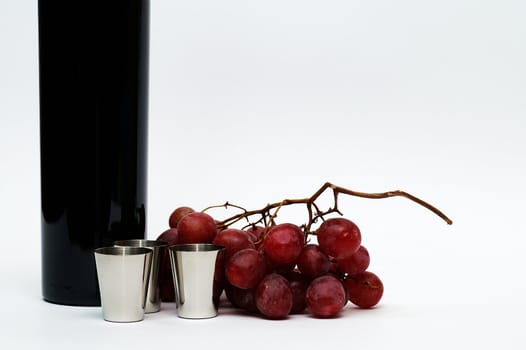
(123, 274)
(153, 300)
(193, 269)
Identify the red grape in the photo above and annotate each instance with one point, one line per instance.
(356, 263)
(255, 232)
(216, 292)
(325, 296)
(178, 214)
(312, 261)
(197, 228)
(166, 284)
(339, 237)
(283, 268)
(241, 298)
(229, 293)
(283, 243)
(219, 270)
(298, 285)
(364, 289)
(274, 296)
(233, 240)
(170, 236)
(245, 268)
(333, 267)
(269, 265)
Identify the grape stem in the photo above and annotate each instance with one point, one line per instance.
(268, 213)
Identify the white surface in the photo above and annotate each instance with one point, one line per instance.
(253, 102)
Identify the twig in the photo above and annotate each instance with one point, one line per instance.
(314, 212)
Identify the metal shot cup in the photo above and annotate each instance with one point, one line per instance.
(123, 274)
(194, 269)
(153, 300)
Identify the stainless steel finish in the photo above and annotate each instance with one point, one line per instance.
(123, 274)
(153, 300)
(193, 268)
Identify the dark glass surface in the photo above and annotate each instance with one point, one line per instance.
(93, 65)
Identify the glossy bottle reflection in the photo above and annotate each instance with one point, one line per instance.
(93, 65)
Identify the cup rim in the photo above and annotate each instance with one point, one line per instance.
(122, 251)
(196, 247)
(146, 243)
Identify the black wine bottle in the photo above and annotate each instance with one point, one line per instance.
(93, 66)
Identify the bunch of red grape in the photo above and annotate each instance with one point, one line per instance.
(273, 271)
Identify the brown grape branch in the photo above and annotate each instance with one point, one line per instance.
(268, 213)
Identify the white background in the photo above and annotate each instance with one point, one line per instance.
(257, 101)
